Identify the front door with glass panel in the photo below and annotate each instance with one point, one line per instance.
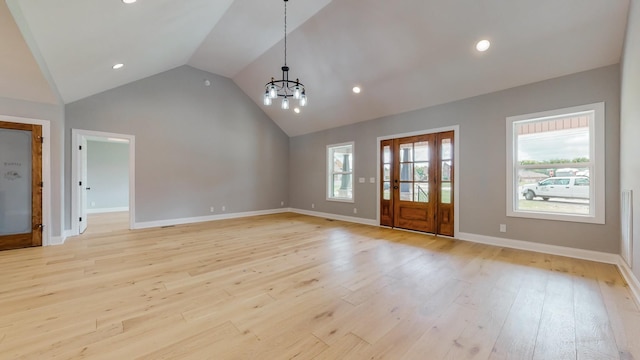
(417, 183)
(20, 185)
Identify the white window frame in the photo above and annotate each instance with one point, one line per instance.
(331, 172)
(597, 153)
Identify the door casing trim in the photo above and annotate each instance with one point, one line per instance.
(456, 183)
(46, 173)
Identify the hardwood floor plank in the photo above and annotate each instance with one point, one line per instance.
(621, 309)
(518, 335)
(345, 348)
(60, 349)
(477, 339)
(197, 346)
(442, 335)
(594, 336)
(557, 334)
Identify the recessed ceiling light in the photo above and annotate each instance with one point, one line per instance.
(483, 45)
(118, 66)
(129, 1)
(297, 110)
(356, 89)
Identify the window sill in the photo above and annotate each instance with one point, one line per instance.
(341, 200)
(557, 217)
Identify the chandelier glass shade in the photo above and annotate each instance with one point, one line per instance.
(285, 88)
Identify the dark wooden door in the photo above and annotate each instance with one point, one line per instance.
(20, 185)
(413, 183)
(417, 183)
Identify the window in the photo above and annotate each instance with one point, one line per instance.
(555, 164)
(340, 172)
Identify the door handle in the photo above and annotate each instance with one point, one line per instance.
(395, 187)
(88, 188)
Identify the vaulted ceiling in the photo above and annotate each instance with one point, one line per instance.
(405, 54)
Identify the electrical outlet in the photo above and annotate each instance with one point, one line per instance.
(281, 203)
(503, 228)
(212, 209)
(313, 206)
(224, 208)
(355, 210)
(93, 204)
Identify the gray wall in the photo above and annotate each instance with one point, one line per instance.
(107, 175)
(481, 160)
(630, 123)
(196, 146)
(54, 114)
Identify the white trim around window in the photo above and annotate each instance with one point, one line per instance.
(345, 194)
(595, 164)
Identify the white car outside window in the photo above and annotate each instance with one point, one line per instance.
(570, 187)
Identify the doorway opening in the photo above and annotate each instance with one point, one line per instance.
(418, 187)
(103, 173)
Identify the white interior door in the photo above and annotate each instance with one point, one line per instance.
(84, 187)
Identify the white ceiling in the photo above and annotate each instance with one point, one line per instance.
(405, 54)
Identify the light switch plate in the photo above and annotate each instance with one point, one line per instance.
(361, 180)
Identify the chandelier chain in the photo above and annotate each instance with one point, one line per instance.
(285, 33)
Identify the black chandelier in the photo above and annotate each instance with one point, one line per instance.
(284, 87)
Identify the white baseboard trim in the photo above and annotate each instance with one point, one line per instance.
(107, 210)
(335, 217)
(59, 240)
(199, 219)
(631, 279)
(603, 257)
(56, 240)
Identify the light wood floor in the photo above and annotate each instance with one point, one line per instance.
(107, 223)
(291, 286)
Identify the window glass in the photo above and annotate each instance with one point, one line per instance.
(422, 151)
(582, 182)
(421, 192)
(421, 171)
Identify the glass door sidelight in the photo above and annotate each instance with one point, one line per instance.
(417, 183)
(386, 185)
(445, 178)
(20, 185)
